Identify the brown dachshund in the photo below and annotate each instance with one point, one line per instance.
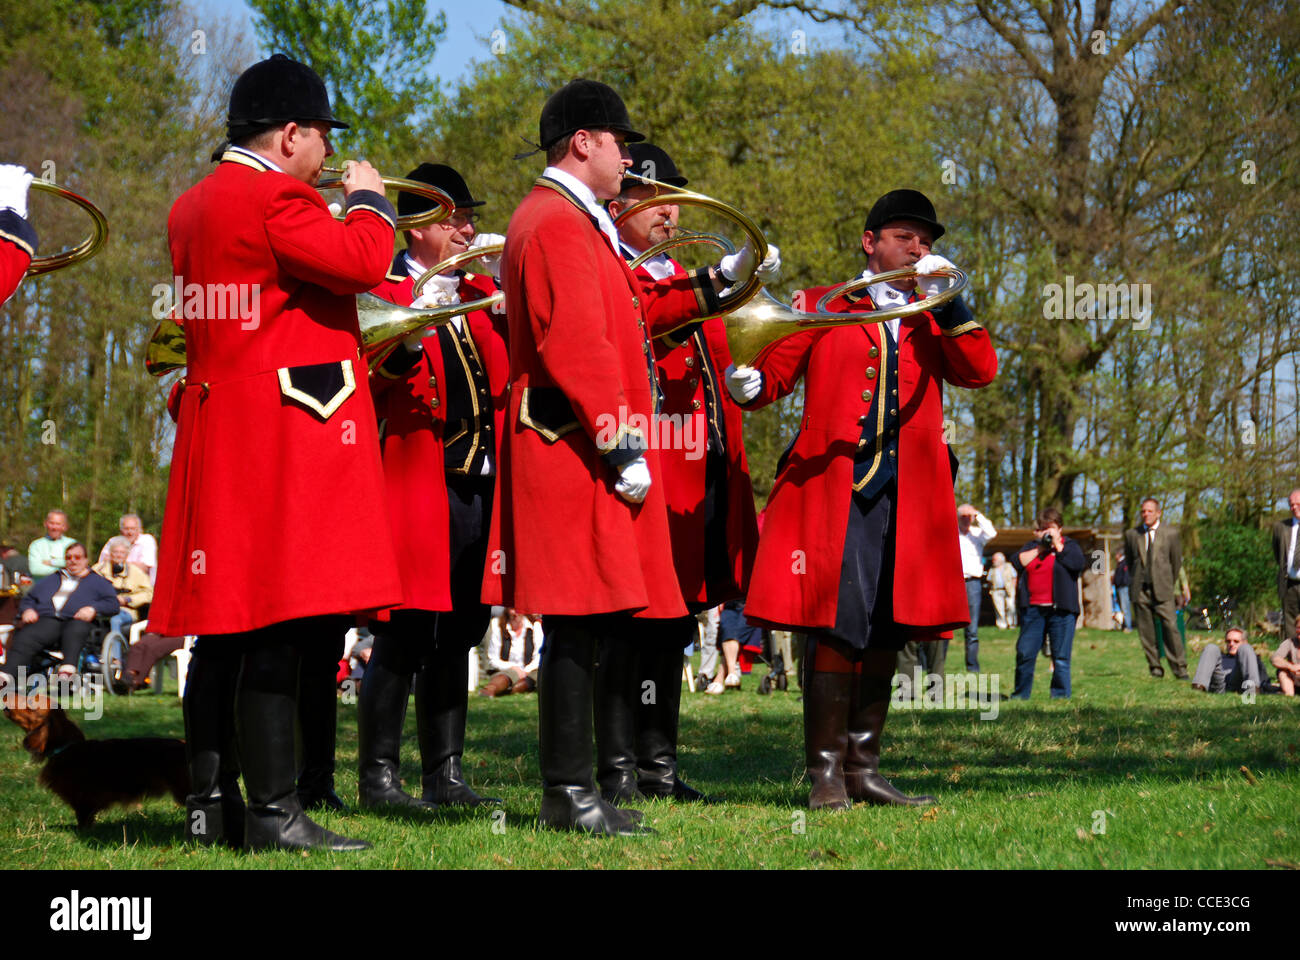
(93, 775)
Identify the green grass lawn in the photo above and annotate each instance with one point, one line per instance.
(1161, 762)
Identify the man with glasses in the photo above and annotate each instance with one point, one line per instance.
(276, 442)
(441, 398)
(58, 612)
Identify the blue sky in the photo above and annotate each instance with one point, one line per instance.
(469, 24)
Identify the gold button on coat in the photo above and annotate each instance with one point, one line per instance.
(866, 395)
(871, 373)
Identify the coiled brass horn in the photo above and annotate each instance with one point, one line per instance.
(677, 195)
(444, 208)
(959, 283)
(84, 250)
(763, 319)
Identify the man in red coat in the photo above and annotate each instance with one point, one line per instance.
(17, 236)
(579, 525)
(275, 442)
(860, 548)
(441, 401)
(710, 516)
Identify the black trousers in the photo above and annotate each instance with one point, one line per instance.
(45, 634)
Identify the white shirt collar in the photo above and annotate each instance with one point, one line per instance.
(587, 197)
(885, 296)
(258, 157)
(660, 266)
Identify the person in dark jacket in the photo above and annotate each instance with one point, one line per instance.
(1048, 599)
(58, 611)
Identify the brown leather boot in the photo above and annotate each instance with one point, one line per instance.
(866, 722)
(498, 686)
(826, 699)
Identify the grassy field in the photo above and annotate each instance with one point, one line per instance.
(1130, 773)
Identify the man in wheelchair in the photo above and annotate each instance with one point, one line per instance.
(59, 612)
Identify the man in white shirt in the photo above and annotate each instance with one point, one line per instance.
(973, 531)
(1286, 541)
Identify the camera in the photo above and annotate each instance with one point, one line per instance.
(1046, 542)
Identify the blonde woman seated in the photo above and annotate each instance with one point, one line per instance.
(514, 654)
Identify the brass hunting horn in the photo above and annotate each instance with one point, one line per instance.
(669, 194)
(84, 250)
(443, 208)
(762, 320)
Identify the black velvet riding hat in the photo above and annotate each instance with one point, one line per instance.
(584, 105)
(903, 205)
(276, 91)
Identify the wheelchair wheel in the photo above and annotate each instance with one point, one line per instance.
(112, 661)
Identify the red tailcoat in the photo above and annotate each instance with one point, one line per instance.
(797, 573)
(412, 409)
(274, 466)
(563, 541)
(17, 247)
(683, 371)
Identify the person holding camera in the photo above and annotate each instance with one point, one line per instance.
(1047, 597)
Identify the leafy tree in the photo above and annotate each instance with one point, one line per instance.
(375, 58)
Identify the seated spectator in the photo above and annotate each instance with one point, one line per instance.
(1047, 596)
(58, 611)
(142, 547)
(45, 556)
(514, 654)
(134, 591)
(1287, 662)
(1234, 669)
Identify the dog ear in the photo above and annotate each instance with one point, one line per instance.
(37, 741)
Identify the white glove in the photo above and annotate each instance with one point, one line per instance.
(14, 181)
(743, 383)
(439, 291)
(491, 261)
(740, 265)
(633, 481)
(931, 285)
(415, 342)
(336, 208)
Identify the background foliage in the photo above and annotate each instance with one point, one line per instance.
(1145, 142)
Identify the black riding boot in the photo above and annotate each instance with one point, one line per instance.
(265, 711)
(381, 714)
(214, 809)
(564, 711)
(318, 709)
(657, 719)
(441, 703)
(825, 732)
(867, 712)
(617, 690)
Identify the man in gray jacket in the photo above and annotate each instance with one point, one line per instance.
(1156, 555)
